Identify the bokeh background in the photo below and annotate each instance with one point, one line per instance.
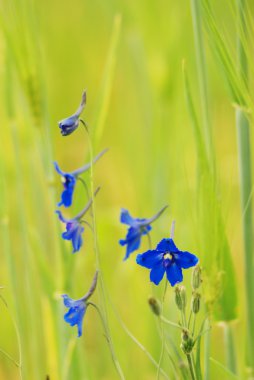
(129, 56)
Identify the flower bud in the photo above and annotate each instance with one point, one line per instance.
(154, 305)
(196, 277)
(195, 302)
(187, 343)
(180, 297)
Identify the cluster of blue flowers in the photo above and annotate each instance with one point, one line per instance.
(166, 258)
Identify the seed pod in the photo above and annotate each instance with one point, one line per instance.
(180, 297)
(154, 305)
(196, 277)
(195, 302)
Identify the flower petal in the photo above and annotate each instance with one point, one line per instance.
(174, 274)
(185, 259)
(59, 171)
(132, 245)
(149, 259)
(157, 273)
(77, 240)
(61, 217)
(68, 302)
(126, 218)
(167, 245)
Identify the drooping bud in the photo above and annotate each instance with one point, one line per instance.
(187, 343)
(180, 297)
(195, 302)
(154, 305)
(196, 277)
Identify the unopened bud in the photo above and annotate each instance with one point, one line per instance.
(195, 302)
(187, 343)
(180, 297)
(196, 277)
(154, 305)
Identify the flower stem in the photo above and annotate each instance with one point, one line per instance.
(163, 319)
(102, 293)
(109, 340)
(190, 363)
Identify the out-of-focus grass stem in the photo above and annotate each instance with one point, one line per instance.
(230, 351)
(244, 153)
(202, 78)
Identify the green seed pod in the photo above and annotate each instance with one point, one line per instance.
(187, 343)
(195, 302)
(180, 297)
(154, 305)
(196, 277)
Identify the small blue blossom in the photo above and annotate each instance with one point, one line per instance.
(74, 228)
(138, 227)
(73, 232)
(69, 180)
(71, 123)
(166, 258)
(76, 313)
(77, 308)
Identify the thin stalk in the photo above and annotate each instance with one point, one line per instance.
(207, 342)
(109, 340)
(162, 331)
(190, 363)
(98, 265)
(136, 341)
(230, 348)
(244, 153)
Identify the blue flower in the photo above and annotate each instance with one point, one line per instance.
(77, 308)
(69, 180)
(138, 227)
(73, 232)
(74, 228)
(71, 123)
(76, 313)
(166, 258)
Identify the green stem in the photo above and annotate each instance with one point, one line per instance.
(207, 342)
(230, 348)
(163, 319)
(244, 153)
(98, 265)
(190, 363)
(109, 340)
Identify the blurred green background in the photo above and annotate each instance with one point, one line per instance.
(128, 55)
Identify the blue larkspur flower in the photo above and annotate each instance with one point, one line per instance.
(69, 180)
(71, 123)
(76, 313)
(74, 228)
(77, 308)
(138, 227)
(166, 258)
